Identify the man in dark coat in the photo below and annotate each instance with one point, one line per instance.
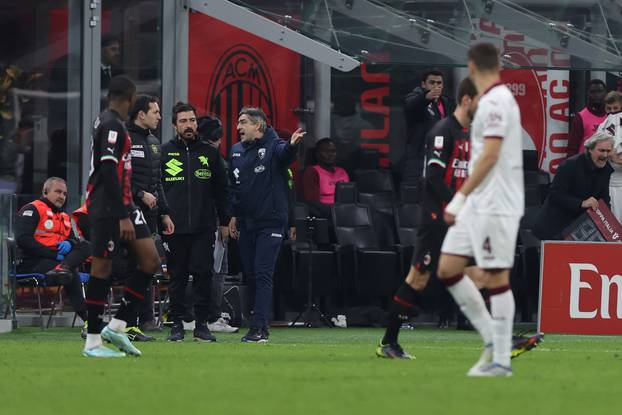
(147, 192)
(259, 204)
(195, 183)
(423, 107)
(580, 182)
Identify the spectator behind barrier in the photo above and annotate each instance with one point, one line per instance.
(613, 126)
(320, 179)
(585, 122)
(580, 182)
(48, 245)
(613, 102)
(423, 107)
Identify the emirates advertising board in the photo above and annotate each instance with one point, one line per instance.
(580, 288)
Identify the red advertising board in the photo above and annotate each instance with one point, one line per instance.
(606, 223)
(230, 68)
(580, 288)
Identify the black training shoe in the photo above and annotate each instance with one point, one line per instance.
(61, 274)
(177, 332)
(392, 351)
(149, 326)
(136, 335)
(202, 334)
(256, 335)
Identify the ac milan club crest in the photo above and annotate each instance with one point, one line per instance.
(241, 79)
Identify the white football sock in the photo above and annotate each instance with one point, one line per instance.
(502, 307)
(471, 303)
(117, 325)
(92, 341)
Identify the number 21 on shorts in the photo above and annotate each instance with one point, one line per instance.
(139, 218)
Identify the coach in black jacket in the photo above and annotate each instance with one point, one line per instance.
(195, 184)
(580, 182)
(423, 107)
(259, 204)
(147, 191)
(147, 188)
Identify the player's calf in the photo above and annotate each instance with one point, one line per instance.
(403, 306)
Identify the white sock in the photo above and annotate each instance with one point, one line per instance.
(93, 341)
(502, 307)
(117, 325)
(471, 303)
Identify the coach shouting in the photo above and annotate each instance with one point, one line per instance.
(258, 170)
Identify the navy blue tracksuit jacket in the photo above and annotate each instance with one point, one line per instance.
(258, 172)
(259, 201)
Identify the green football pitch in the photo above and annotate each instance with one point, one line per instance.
(306, 371)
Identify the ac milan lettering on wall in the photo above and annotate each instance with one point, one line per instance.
(542, 95)
(229, 68)
(374, 99)
(241, 78)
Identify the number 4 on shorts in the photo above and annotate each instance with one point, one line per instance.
(487, 246)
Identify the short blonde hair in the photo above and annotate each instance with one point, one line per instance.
(613, 96)
(597, 137)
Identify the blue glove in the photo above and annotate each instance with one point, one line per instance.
(60, 257)
(64, 247)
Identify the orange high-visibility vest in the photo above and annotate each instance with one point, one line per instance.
(82, 210)
(52, 227)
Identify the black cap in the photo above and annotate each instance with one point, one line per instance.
(210, 128)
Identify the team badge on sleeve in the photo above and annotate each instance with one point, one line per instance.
(112, 137)
(438, 142)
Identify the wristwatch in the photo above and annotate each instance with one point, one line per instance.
(140, 194)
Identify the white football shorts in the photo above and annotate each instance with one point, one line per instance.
(490, 239)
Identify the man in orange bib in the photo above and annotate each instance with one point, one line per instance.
(48, 245)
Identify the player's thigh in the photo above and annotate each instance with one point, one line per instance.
(426, 255)
(456, 251)
(145, 254)
(493, 240)
(105, 238)
(143, 247)
(428, 248)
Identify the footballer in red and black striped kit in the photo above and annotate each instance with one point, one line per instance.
(110, 142)
(446, 167)
(108, 202)
(114, 220)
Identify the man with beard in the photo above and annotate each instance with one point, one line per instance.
(195, 185)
